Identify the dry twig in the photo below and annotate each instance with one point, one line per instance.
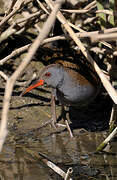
(104, 37)
(14, 53)
(50, 164)
(82, 11)
(16, 8)
(107, 140)
(94, 3)
(42, 7)
(82, 34)
(21, 24)
(3, 75)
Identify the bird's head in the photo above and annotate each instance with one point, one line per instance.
(52, 76)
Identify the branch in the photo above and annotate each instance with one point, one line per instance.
(105, 37)
(50, 164)
(3, 75)
(19, 4)
(82, 34)
(107, 140)
(82, 11)
(42, 7)
(14, 53)
(12, 30)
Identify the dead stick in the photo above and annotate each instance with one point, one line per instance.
(14, 53)
(105, 37)
(50, 164)
(82, 11)
(113, 118)
(89, 34)
(90, 5)
(20, 2)
(107, 140)
(3, 75)
(12, 30)
(42, 7)
(69, 172)
(62, 37)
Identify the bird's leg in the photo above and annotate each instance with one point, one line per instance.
(53, 120)
(66, 121)
(53, 110)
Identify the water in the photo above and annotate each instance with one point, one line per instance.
(18, 162)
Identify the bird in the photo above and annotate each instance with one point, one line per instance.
(70, 86)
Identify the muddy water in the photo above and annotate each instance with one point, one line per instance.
(90, 128)
(78, 153)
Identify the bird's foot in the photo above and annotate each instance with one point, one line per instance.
(53, 123)
(66, 125)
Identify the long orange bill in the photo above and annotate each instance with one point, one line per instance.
(38, 83)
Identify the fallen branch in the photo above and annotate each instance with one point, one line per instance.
(14, 53)
(82, 34)
(86, 9)
(12, 30)
(16, 8)
(104, 37)
(113, 118)
(107, 140)
(82, 11)
(50, 164)
(42, 7)
(94, 3)
(3, 75)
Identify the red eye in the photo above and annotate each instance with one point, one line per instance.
(48, 74)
